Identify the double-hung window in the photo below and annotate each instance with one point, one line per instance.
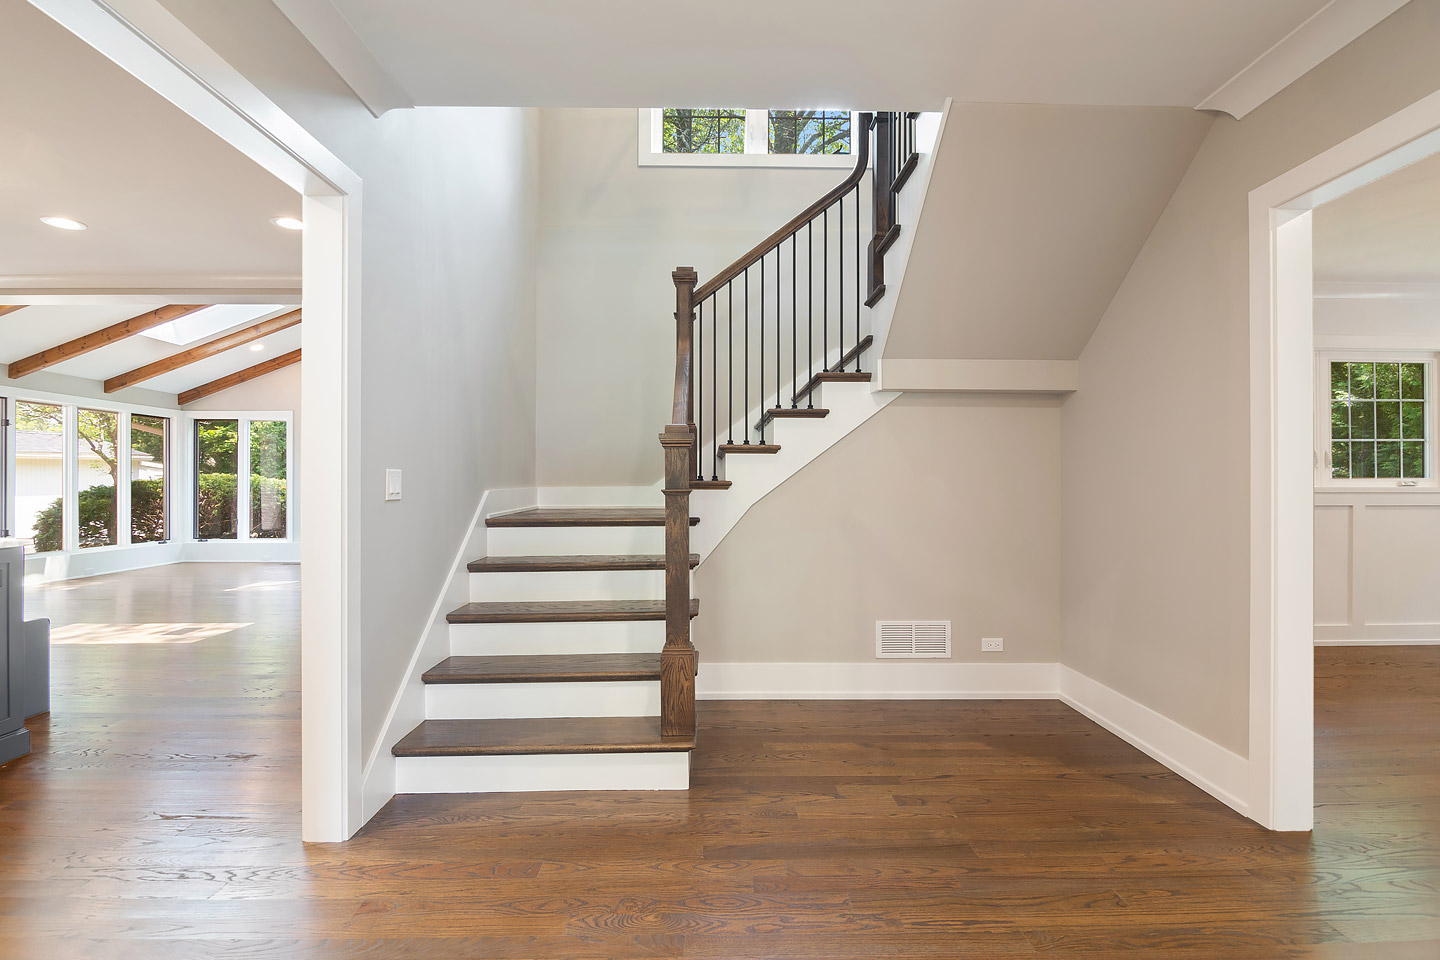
(735, 136)
(1376, 421)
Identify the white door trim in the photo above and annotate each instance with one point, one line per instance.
(1282, 410)
(145, 39)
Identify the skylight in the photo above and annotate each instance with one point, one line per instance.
(205, 323)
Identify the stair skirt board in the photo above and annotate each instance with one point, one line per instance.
(522, 639)
(568, 585)
(538, 772)
(496, 701)
(564, 541)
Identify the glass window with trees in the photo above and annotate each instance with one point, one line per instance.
(217, 454)
(98, 472)
(704, 131)
(808, 131)
(732, 136)
(40, 475)
(1380, 420)
(149, 479)
(267, 478)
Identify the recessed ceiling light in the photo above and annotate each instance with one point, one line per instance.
(257, 346)
(64, 223)
(289, 223)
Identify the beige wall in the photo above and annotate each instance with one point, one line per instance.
(610, 233)
(937, 508)
(1156, 443)
(1033, 215)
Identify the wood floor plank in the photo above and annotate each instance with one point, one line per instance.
(158, 818)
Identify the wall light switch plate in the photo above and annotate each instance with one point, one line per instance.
(392, 484)
(992, 644)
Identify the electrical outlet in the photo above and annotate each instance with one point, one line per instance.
(992, 644)
(392, 484)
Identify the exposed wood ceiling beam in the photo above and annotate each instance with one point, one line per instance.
(100, 338)
(239, 377)
(205, 350)
(11, 308)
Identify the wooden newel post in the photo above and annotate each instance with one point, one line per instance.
(685, 279)
(678, 660)
(883, 205)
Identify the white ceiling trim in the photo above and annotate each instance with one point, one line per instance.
(1304, 48)
(165, 287)
(332, 35)
(1347, 290)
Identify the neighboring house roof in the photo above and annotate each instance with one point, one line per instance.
(45, 443)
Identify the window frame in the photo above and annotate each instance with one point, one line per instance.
(242, 469)
(651, 152)
(1323, 450)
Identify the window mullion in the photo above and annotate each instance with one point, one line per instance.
(756, 139)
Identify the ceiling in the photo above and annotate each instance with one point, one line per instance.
(855, 53)
(36, 328)
(169, 204)
(1386, 232)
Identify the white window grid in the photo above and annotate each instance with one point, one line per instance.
(1324, 442)
(757, 139)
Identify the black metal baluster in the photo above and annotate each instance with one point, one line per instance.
(810, 304)
(730, 360)
(699, 413)
(779, 384)
(714, 384)
(762, 348)
(745, 389)
(858, 297)
(840, 265)
(825, 288)
(794, 333)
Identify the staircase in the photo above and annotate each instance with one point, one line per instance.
(572, 667)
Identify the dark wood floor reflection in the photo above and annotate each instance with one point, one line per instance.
(158, 816)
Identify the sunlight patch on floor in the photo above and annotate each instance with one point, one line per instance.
(263, 585)
(116, 633)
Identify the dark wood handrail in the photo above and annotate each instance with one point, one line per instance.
(862, 163)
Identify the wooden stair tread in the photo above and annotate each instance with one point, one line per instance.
(709, 484)
(572, 563)
(728, 448)
(584, 517)
(475, 738)
(842, 376)
(776, 412)
(552, 668)
(562, 611)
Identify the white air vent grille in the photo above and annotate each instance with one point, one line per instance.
(912, 639)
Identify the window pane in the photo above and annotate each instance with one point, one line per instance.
(1414, 460)
(1387, 381)
(1362, 381)
(1387, 419)
(704, 131)
(809, 131)
(1387, 458)
(1339, 420)
(1413, 420)
(1339, 381)
(1362, 419)
(267, 478)
(1362, 460)
(39, 475)
(99, 472)
(149, 475)
(217, 449)
(1412, 381)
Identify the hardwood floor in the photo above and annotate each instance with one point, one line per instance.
(158, 816)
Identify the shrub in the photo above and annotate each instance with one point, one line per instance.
(215, 520)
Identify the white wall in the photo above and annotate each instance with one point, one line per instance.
(1377, 553)
(445, 385)
(1156, 442)
(936, 508)
(610, 233)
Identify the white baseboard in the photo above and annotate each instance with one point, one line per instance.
(1219, 772)
(531, 772)
(880, 680)
(407, 708)
(1377, 642)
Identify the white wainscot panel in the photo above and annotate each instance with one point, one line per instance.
(1398, 564)
(1332, 565)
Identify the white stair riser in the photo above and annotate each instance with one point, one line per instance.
(567, 541)
(569, 585)
(494, 701)
(589, 771)
(522, 639)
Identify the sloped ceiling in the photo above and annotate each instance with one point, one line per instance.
(755, 53)
(1033, 217)
(1385, 232)
(169, 204)
(36, 328)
